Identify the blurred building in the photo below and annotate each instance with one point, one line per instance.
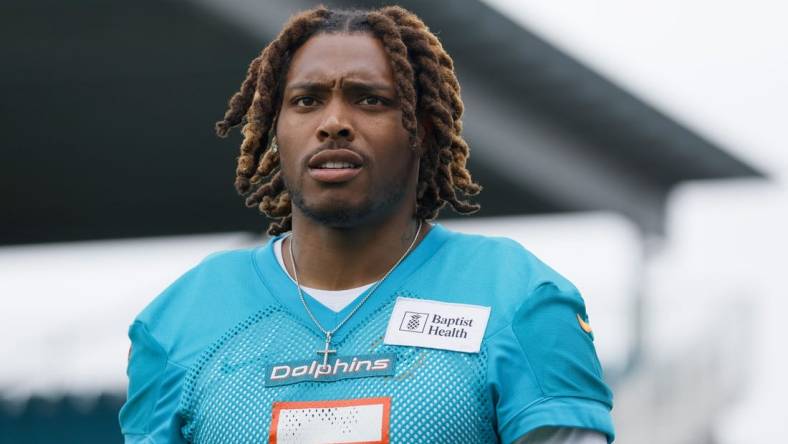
(108, 115)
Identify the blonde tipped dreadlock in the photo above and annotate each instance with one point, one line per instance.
(426, 85)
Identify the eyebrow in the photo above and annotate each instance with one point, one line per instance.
(347, 84)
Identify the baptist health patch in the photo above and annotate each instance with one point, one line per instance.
(362, 420)
(436, 324)
(338, 368)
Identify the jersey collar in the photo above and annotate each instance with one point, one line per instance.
(284, 290)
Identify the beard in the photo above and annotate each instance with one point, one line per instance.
(337, 213)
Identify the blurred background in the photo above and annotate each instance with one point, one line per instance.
(636, 147)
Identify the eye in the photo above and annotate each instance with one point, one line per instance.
(371, 101)
(305, 101)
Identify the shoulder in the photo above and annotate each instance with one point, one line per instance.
(199, 283)
(540, 358)
(170, 334)
(490, 271)
(499, 256)
(201, 304)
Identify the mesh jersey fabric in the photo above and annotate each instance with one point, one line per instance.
(200, 350)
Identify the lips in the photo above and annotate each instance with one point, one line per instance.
(335, 165)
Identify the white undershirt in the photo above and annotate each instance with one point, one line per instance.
(336, 300)
(563, 435)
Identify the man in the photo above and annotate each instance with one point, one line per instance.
(360, 321)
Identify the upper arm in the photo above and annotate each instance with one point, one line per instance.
(149, 414)
(544, 368)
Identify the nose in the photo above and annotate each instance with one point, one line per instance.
(335, 127)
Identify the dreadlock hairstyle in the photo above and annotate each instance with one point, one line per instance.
(426, 86)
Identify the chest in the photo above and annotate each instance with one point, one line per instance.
(429, 395)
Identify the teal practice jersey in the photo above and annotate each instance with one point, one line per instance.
(471, 339)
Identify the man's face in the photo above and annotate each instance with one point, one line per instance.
(344, 152)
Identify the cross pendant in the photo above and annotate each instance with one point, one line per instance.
(326, 351)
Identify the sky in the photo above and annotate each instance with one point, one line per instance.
(718, 67)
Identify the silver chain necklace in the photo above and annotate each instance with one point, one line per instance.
(330, 333)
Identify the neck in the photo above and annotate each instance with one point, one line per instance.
(340, 258)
